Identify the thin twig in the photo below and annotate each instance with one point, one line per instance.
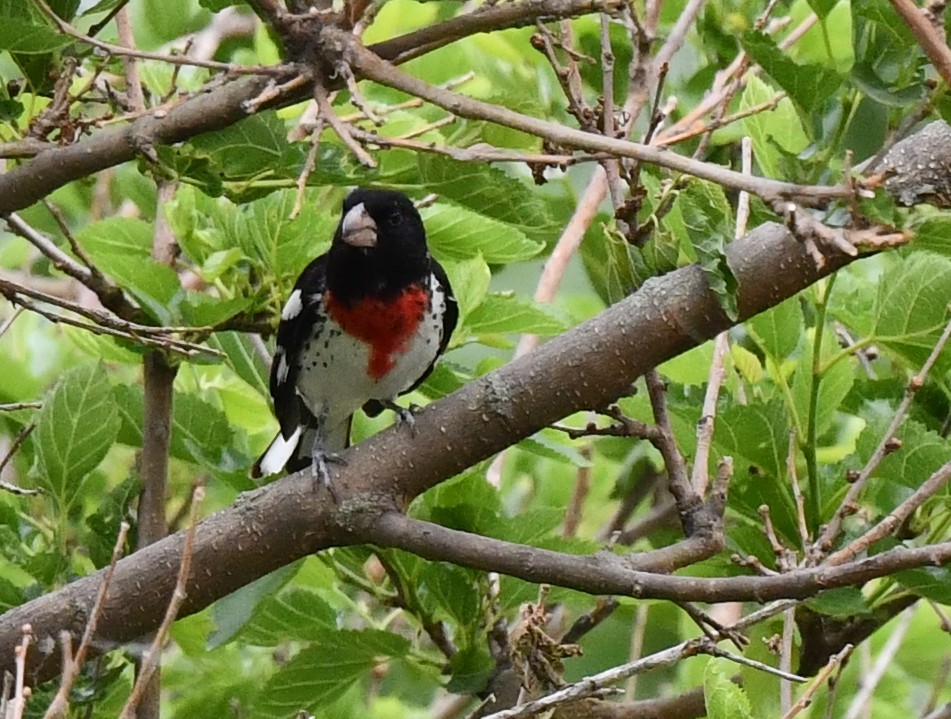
(831, 532)
(328, 115)
(17, 443)
(885, 659)
(152, 656)
(835, 662)
(71, 669)
(705, 427)
(120, 51)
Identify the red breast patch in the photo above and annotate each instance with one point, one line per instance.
(385, 325)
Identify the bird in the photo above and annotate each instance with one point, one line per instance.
(364, 324)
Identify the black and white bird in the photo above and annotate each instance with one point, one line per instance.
(364, 324)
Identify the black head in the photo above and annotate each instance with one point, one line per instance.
(379, 247)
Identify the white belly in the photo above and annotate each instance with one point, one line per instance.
(336, 379)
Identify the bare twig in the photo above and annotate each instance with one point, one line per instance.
(831, 532)
(885, 659)
(58, 706)
(928, 38)
(152, 656)
(120, 51)
(328, 115)
(834, 664)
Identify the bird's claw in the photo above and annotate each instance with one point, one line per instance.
(321, 472)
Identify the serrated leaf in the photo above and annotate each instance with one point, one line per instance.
(780, 126)
(242, 358)
(322, 673)
(758, 432)
(505, 313)
(293, 614)
(912, 308)
(708, 219)
(232, 612)
(542, 445)
(201, 434)
(264, 230)
(20, 36)
(921, 453)
(932, 583)
(934, 235)
(488, 191)
(75, 429)
(449, 592)
(841, 602)
(778, 330)
(722, 698)
(807, 85)
(456, 233)
(122, 248)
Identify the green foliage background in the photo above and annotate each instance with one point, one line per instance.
(325, 634)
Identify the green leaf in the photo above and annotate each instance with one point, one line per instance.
(122, 248)
(322, 673)
(500, 313)
(780, 126)
(232, 612)
(932, 583)
(489, 192)
(470, 283)
(723, 698)
(201, 433)
(708, 219)
(22, 34)
(778, 330)
(934, 235)
(834, 383)
(202, 310)
(922, 451)
(243, 359)
(456, 233)
(759, 432)
(846, 602)
(75, 429)
(471, 667)
(807, 85)
(293, 614)
(822, 8)
(912, 308)
(264, 230)
(449, 592)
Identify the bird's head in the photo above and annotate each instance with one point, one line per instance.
(379, 244)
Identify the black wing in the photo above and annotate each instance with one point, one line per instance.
(294, 330)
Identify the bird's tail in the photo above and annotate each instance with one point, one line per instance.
(295, 453)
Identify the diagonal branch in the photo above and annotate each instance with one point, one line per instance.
(287, 520)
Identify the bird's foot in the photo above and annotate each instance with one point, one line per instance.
(404, 417)
(321, 472)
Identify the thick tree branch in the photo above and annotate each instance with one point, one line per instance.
(287, 520)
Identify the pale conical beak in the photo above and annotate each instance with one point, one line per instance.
(358, 229)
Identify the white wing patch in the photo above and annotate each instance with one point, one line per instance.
(282, 367)
(292, 307)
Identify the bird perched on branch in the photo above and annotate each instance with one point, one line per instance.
(364, 324)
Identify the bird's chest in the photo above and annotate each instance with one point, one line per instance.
(372, 349)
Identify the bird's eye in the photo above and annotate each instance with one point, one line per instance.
(395, 219)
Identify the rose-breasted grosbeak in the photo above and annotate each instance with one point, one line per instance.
(365, 323)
